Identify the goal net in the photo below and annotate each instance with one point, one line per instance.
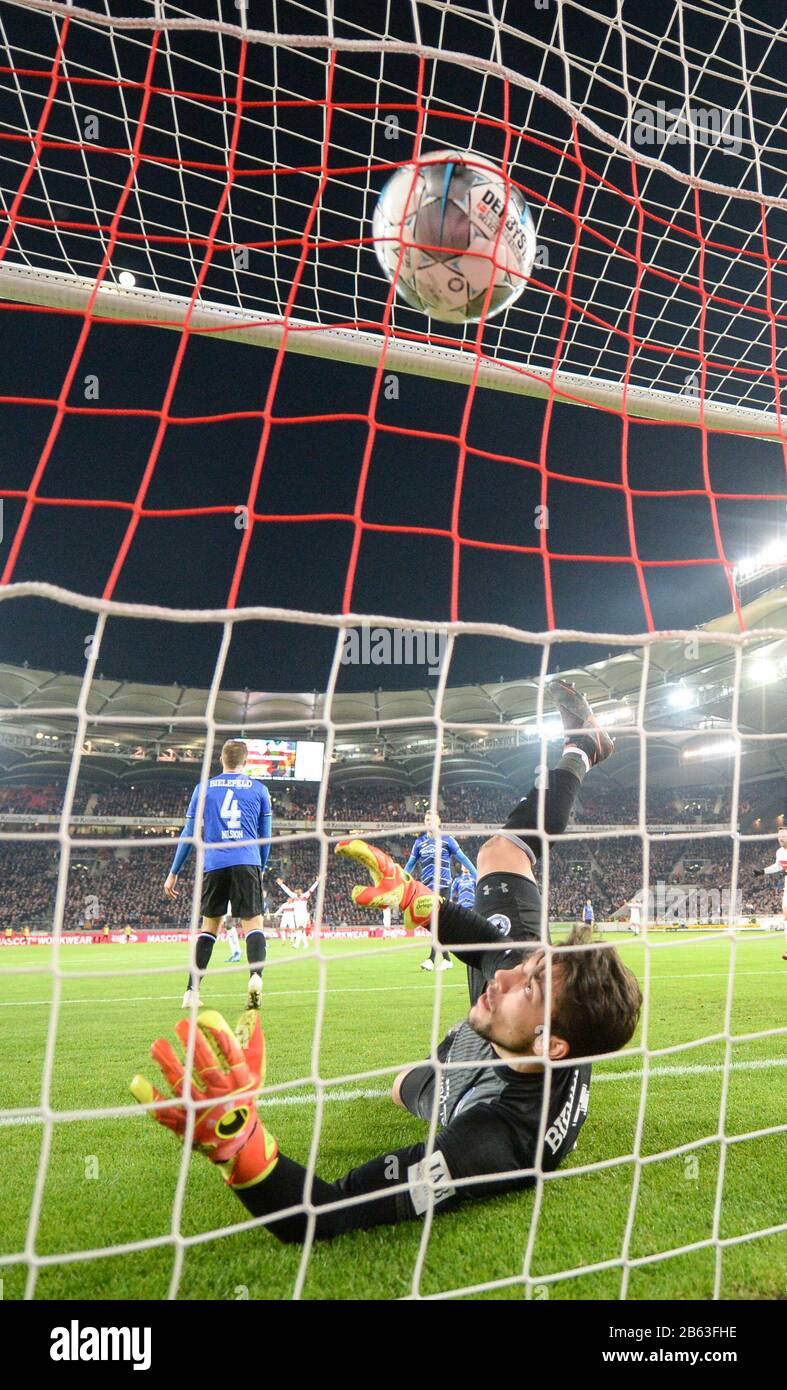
(590, 483)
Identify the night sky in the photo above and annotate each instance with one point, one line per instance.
(314, 467)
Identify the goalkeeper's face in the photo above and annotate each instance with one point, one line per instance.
(510, 1012)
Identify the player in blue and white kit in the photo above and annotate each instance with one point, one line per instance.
(588, 915)
(463, 888)
(423, 866)
(237, 809)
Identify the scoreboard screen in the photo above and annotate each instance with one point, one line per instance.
(284, 759)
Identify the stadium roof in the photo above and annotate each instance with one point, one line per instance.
(490, 731)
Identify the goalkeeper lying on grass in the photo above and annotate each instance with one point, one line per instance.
(491, 1087)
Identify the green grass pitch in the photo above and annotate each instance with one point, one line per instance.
(112, 1181)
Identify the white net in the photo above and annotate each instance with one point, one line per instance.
(649, 146)
(712, 1056)
(231, 165)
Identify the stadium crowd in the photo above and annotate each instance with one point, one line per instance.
(120, 887)
(597, 805)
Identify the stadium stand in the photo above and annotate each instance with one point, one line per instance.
(118, 888)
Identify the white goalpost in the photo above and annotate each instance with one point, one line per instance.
(230, 168)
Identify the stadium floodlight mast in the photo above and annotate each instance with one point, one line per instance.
(622, 314)
(771, 558)
(616, 716)
(717, 748)
(681, 697)
(765, 672)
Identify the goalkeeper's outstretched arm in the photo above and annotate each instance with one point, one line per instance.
(470, 936)
(474, 940)
(479, 1153)
(392, 1187)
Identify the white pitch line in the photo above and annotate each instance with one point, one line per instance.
(267, 996)
(361, 1093)
(699, 1069)
(330, 990)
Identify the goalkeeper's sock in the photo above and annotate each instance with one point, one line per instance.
(202, 954)
(578, 755)
(577, 760)
(559, 798)
(256, 950)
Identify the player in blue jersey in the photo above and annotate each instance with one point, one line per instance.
(423, 866)
(588, 915)
(463, 888)
(237, 813)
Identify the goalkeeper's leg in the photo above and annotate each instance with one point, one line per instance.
(512, 854)
(586, 746)
(559, 798)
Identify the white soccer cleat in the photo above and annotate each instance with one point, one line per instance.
(189, 999)
(254, 996)
(427, 965)
(446, 964)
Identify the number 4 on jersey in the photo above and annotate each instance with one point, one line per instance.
(230, 811)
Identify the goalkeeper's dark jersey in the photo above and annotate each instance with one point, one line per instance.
(485, 1081)
(488, 1115)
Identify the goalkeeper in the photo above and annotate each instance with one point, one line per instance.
(487, 1089)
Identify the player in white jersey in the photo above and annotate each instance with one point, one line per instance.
(295, 913)
(286, 918)
(233, 941)
(779, 866)
(635, 916)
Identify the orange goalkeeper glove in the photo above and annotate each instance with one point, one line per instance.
(229, 1067)
(391, 885)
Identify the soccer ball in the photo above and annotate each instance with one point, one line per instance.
(438, 223)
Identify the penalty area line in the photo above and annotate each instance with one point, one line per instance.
(342, 1096)
(699, 1069)
(272, 994)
